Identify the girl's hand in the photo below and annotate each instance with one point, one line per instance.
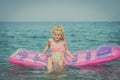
(42, 54)
(72, 56)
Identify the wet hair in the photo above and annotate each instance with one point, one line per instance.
(59, 28)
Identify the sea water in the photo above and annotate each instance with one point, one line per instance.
(79, 36)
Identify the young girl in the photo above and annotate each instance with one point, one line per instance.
(58, 47)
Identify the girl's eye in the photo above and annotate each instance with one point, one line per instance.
(57, 34)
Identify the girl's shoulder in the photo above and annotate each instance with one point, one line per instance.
(63, 42)
(50, 39)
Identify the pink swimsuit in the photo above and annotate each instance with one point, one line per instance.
(58, 48)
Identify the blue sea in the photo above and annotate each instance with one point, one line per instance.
(79, 36)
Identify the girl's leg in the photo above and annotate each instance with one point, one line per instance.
(61, 65)
(49, 65)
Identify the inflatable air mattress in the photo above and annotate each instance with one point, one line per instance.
(100, 55)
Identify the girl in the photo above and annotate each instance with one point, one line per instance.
(58, 47)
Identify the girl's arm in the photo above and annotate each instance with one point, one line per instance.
(68, 52)
(46, 48)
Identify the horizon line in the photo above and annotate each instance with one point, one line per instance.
(57, 21)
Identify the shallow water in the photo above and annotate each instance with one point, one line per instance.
(80, 36)
(99, 72)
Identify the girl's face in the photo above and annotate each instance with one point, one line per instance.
(57, 35)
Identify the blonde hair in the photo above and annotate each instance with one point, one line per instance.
(61, 29)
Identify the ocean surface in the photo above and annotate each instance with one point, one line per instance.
(79, 36)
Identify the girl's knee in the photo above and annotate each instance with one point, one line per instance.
(49, 59)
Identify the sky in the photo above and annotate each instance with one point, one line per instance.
(59, 10)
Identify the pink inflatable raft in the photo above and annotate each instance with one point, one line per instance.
(102, 54)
